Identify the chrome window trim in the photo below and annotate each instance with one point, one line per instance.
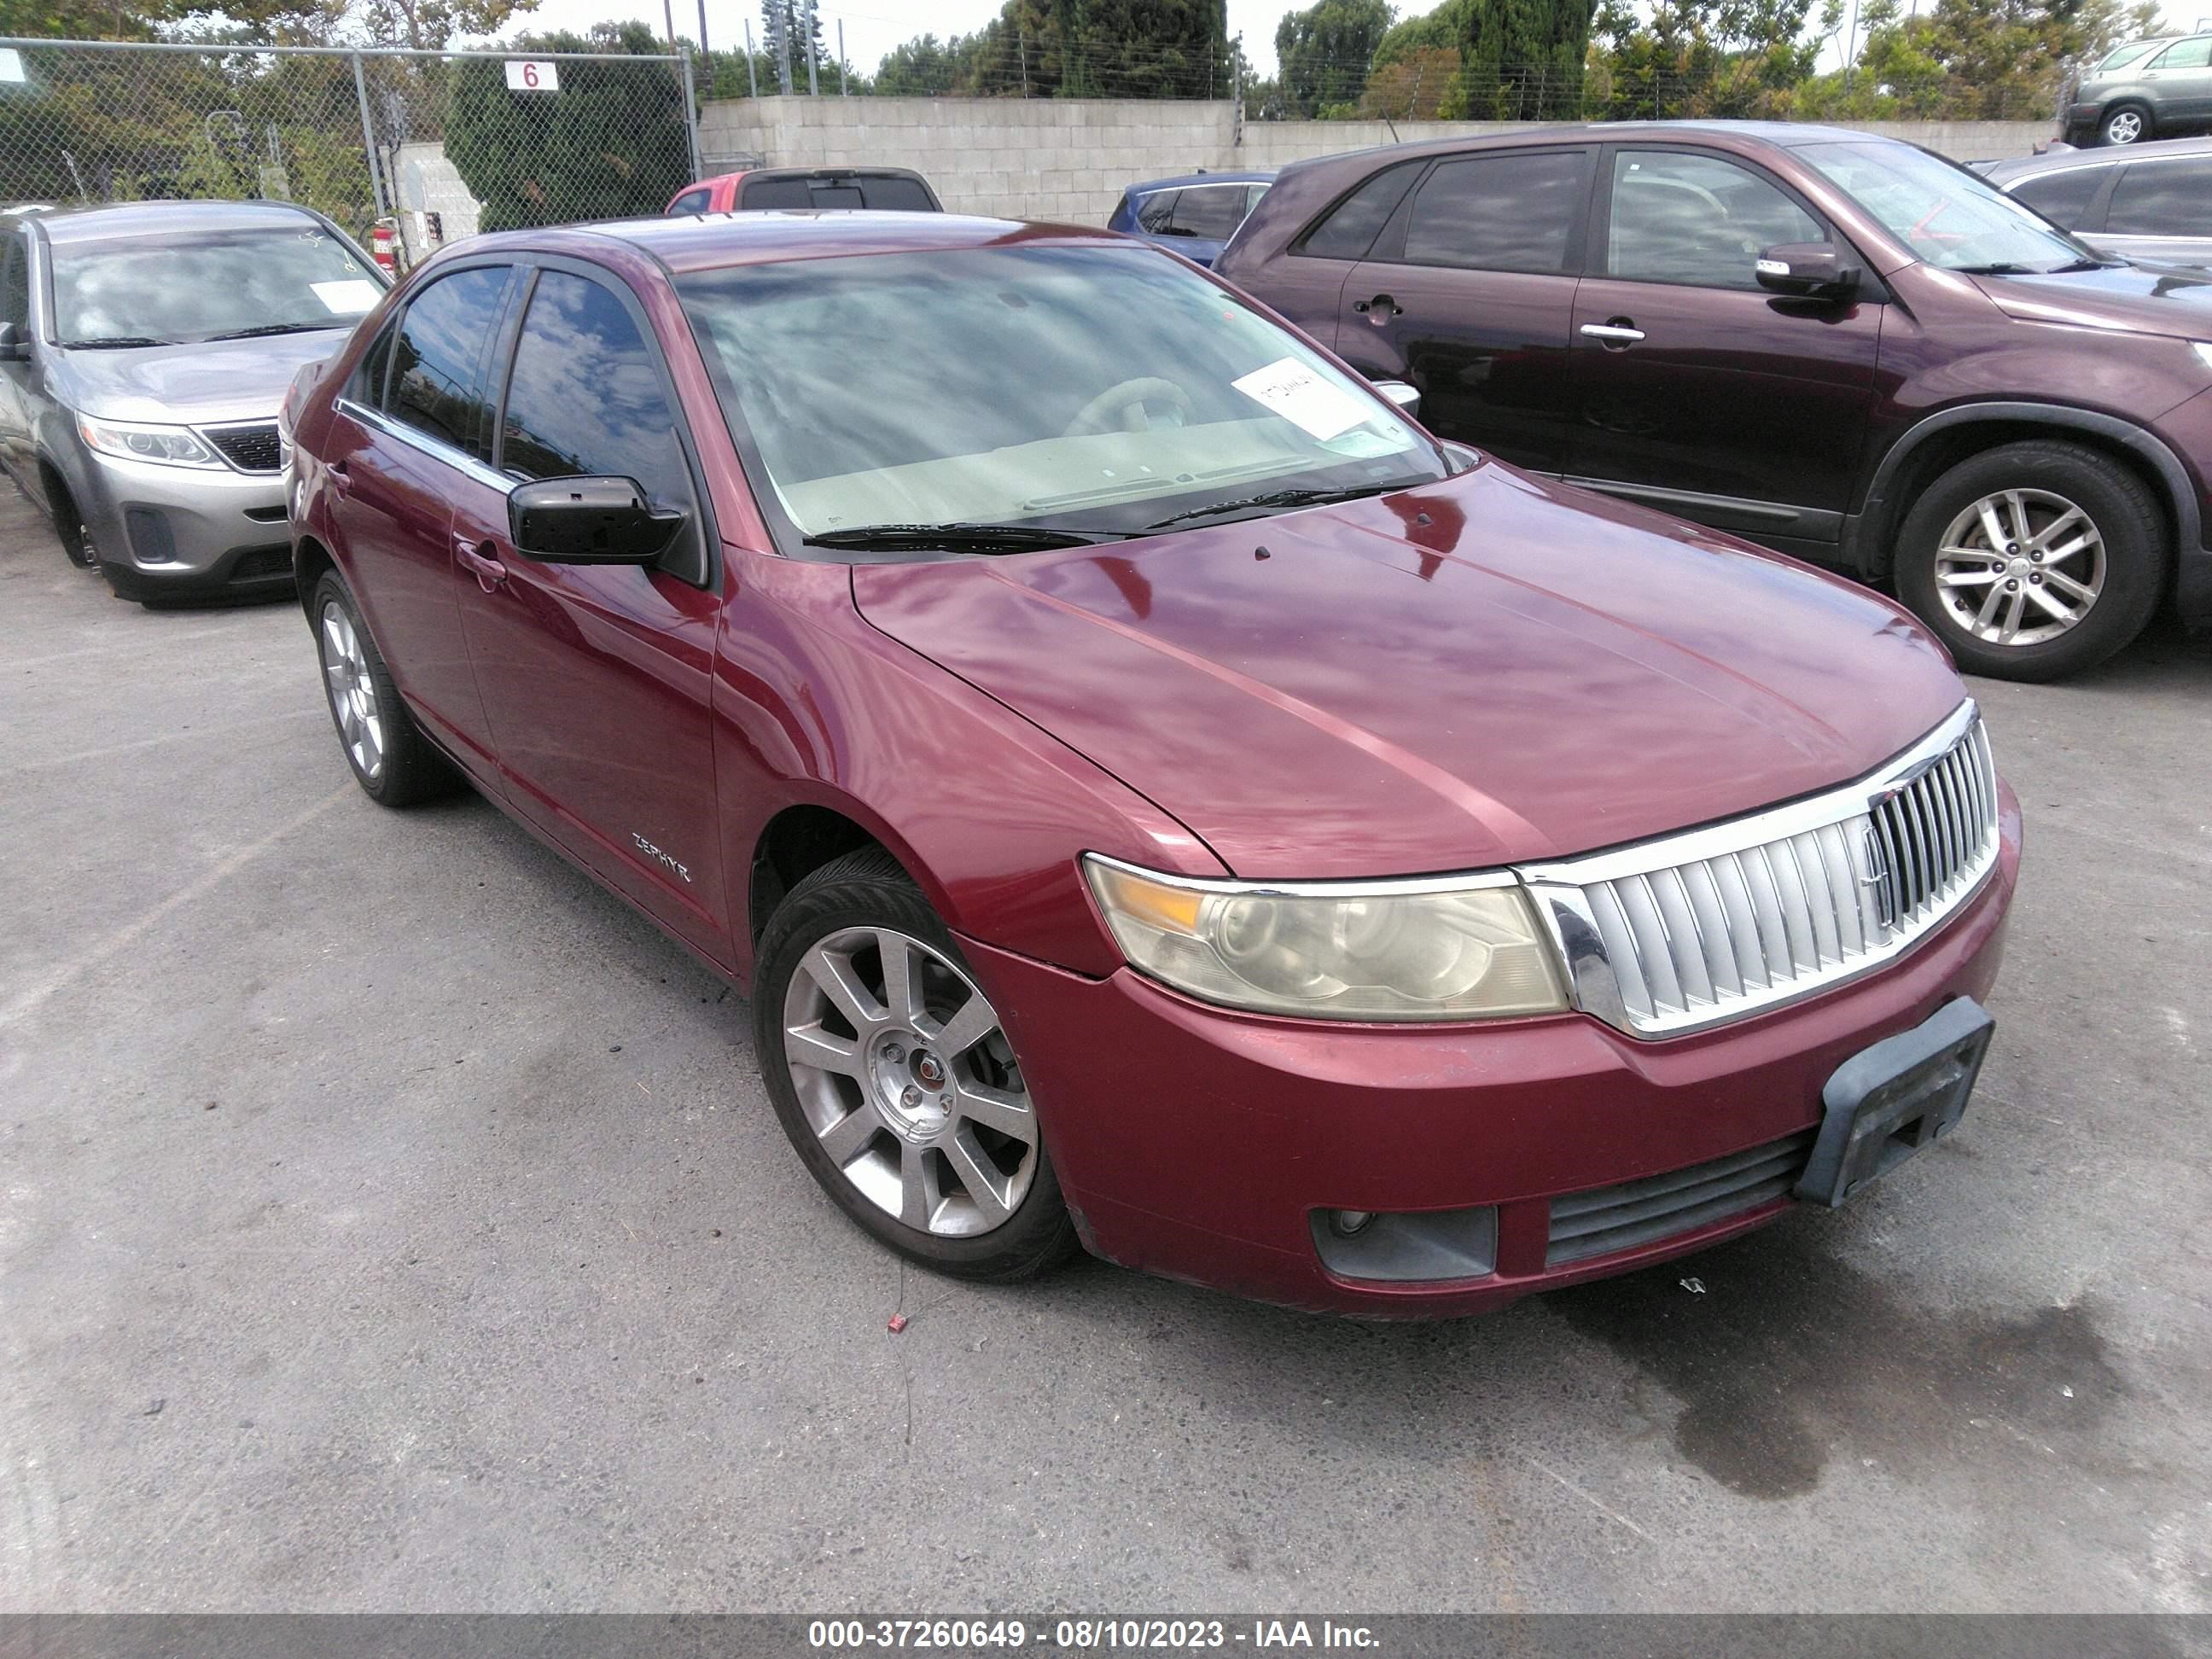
(1558, 887)
(436, 448)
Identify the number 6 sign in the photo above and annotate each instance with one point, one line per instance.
(532, 75)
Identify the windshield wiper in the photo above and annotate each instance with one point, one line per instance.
(112, 341)
(1285, 498)
(276, 328)
(956, 538)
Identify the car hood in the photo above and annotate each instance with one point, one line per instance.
(2136, 299)
(192, 384)
(1486, 670)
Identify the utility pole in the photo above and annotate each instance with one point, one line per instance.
(752, 72)
(668, 17)
(844, 89)
(702, 41)
(813, 79)
(777, 21)
(1021, 48)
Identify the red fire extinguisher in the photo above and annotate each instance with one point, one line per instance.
(384, 245)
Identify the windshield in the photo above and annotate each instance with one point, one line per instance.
(1087, 388)
(208, 284)
(1946, 215)
(2121, 57)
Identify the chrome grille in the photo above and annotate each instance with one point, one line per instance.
(250, 446)
(1721, 922)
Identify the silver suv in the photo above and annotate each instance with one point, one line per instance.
(144, 352)
(2145, 89)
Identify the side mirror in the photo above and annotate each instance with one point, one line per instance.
(13, 348)
(1808, 271)
(1400, 395)
(588, 521)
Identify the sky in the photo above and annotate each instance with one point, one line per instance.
(872, 27)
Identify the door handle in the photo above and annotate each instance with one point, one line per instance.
(1381, 304)
(341, 480)
(1616, 334)
(489, 572)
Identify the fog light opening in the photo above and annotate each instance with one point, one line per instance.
(1349, 1224)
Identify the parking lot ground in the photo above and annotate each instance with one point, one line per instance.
(391, 1220)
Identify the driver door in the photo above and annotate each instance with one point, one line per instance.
(1696, 390)
(597, 679)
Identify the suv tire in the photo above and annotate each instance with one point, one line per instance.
(893, 1158)
(2126, 124)
(2012, 541)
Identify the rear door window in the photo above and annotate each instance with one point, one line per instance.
(1157, 212)
(691, 200)
(2162, 198)
(1696, 221)
(1511, 211)
(1211, 211)
(440, 356)
(2186, 54)
(2064, 195)
(1352, 225)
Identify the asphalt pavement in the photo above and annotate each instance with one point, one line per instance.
(392, 1220)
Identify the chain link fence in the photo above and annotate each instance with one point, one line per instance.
(436, 146)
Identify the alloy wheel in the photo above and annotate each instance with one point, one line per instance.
(905, 1076)
(353, 690)
(2020, 566)
(2125, 128)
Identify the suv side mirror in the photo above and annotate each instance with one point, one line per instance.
(1400, 395)
(588, 521)
(1808, 271)
(13, 348)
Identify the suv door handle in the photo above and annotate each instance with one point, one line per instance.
(489, 572)
(1617, 333)
(1382, 303)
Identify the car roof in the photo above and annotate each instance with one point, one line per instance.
(710, 241)
(2030, 167)
(854, 172)
(1738, 135)
(1149, 185)
(118, 220)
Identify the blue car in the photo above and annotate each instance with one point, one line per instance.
(1195, 215)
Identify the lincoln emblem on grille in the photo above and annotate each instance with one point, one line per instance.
(1877, 875)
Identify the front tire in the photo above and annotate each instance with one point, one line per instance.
(393, 763)
(895, 1081)
(74, 533)
(2129, 124)
(2033, 560)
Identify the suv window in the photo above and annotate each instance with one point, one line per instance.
(691, 200)
(2162, 198)
(367, 387)
(1156, 212)
(2186, 54)
(2064, 194)
(1213, 211)
(1695, 220)
(1352, 228)
(586, 398)
(897, 195)
(1505, 212)
(14, 282)
(438, 378)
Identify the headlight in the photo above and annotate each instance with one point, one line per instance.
(170, 446)
(1465, 947)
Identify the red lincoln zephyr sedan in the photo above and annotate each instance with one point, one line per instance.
(1157, 796)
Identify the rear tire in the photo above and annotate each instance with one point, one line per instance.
(2126, 124)
(2034, 559)
(917, 1122)
(393, 761)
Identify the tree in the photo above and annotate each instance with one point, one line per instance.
(1523, 60)
(611, 143)
(1701, 58)
(1323, 52)
(1972, 59)
(1075, 49)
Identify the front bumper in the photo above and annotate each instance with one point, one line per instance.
(164, 531)
(1201, 1144)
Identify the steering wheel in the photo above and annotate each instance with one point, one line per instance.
(1920, 233)
(1121, 408)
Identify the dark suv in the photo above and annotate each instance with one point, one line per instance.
(1838, 345)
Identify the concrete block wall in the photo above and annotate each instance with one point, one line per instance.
(1043, 158)
(1069, 158)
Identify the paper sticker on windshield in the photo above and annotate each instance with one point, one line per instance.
(349, 298)
(1303, 399)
